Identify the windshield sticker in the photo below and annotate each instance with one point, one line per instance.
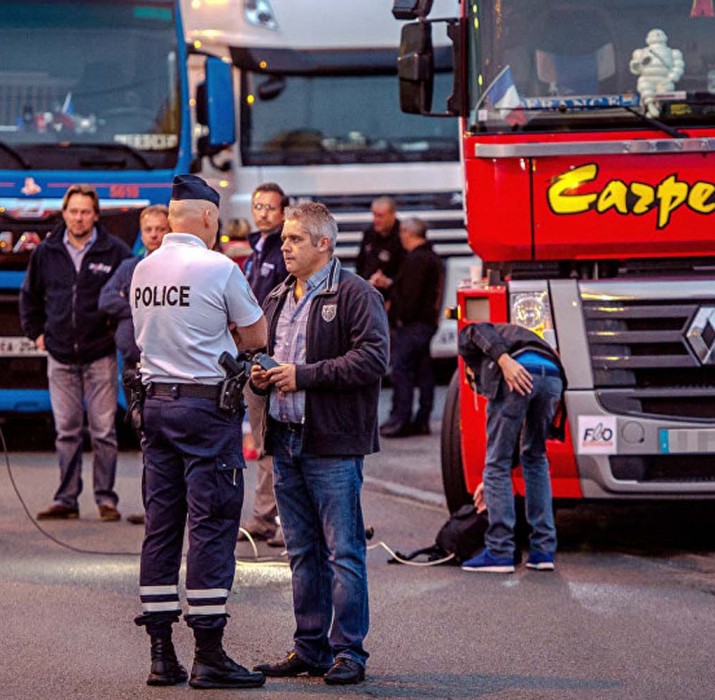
(628, 99)
(635, 198)
(148, 142)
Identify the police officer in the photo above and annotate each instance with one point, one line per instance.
(187, 300)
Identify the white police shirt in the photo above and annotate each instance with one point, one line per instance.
(183, 297)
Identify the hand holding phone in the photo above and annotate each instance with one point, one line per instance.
(264, 361)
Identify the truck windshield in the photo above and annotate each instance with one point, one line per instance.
(590, 64)
(323, 119)
(91, 85)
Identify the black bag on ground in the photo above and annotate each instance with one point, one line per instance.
(461, 536)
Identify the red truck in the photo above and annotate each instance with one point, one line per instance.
(588, 144)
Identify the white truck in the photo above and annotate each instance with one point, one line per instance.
(319, 113)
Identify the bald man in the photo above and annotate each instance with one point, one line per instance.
(189, 305)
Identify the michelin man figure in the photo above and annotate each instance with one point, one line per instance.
(658, 66)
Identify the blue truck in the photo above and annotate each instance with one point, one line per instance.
(95, 92)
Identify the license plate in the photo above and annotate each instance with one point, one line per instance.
(19, 347)
(684, 440)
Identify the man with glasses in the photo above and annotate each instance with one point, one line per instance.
(265, 270)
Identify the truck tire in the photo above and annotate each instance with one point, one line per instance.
(455, 488)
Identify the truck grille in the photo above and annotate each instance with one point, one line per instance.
(18, 372)
(642, 361)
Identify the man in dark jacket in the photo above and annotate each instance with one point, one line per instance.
(328, 330)
(265, 270)
(381, 254)
(58, 310)
(415, 300)
(524, 381)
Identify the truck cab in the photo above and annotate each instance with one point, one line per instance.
(588, 151)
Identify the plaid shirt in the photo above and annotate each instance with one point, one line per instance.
(289, 346)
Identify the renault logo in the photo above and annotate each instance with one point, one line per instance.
(701, 335)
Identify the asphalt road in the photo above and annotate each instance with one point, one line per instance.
(628, 614)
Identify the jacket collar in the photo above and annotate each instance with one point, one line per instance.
(331, 286)
(56, 237)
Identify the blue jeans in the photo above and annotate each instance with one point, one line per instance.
(412, 367)
(319, 506)
(507, 414)
(96, 384)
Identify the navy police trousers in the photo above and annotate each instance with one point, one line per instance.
(193, 471)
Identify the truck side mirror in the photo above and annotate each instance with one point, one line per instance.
(411, 9)
(415, 68)
(215, 107)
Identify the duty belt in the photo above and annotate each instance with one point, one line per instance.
(176, 390)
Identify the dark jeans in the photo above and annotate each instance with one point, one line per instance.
(511, 418)
(411, 368)
(319, 507)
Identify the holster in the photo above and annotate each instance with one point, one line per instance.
(230, 398)
(136, 393)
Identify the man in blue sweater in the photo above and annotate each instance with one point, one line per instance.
(114, 298)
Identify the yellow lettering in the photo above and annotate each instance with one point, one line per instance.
(613, 196)
(699, 196)
(560, 199)
(646, 197)
(671, 194)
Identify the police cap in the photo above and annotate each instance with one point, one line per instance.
(193, 187)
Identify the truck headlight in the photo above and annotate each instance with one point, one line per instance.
(532, 310)
(260, 13)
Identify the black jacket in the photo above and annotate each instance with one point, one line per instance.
(416, 294)
(266, 269)
(482, 344)
(378, 252)
(347, 349)
(62, 304)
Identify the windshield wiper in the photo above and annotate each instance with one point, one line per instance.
(15, 154)
(652, 121)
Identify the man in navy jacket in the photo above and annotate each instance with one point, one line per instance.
(265, 270)
(58, 310)
(328, 330)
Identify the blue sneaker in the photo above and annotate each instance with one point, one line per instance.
(540, 561)
(487, 562)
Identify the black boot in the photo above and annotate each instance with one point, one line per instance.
(165, 667)
(214, 668)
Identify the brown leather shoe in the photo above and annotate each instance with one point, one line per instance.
(136, 518)
(290, 667)
(59, 512)
(108, 513)
(277, 539)
(345, 672)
